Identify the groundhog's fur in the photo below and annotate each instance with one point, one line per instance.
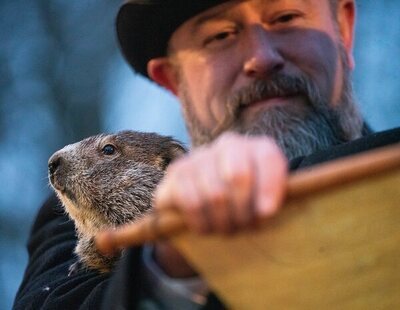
(100, 188)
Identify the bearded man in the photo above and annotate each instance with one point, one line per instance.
(263, 85)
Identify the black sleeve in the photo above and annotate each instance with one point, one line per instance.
(46, 284)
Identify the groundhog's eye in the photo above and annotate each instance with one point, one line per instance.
(108, 149)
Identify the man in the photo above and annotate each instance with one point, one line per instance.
(276, 68)
(260, 82)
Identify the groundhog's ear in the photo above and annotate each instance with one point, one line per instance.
(175, 149)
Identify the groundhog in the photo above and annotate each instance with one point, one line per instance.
(108, 180)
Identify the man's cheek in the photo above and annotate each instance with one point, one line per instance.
(314, 53)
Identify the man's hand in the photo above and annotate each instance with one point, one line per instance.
(227, 185)
(221, 188)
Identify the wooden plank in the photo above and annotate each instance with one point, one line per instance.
(336, 249)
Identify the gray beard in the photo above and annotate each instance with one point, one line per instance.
(298, 129)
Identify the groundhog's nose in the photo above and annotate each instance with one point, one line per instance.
(54, 163)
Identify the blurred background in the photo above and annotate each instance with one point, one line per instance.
(62, 78)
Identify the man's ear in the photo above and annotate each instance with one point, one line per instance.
(163, 72)
(346, 20)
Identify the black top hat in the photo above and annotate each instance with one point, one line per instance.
(144, 27)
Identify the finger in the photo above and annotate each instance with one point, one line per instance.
(192, 205)
(236, 169)
(271, 178)
(216, 196)
(178, 190)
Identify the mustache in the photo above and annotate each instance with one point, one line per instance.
(278, 85)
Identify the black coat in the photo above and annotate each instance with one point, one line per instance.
(46, 284)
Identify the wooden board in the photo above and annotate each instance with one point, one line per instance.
(336, 249)
(335, 244)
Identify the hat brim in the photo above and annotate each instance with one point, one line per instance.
(145, 27)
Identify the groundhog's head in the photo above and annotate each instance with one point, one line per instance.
(107, 180)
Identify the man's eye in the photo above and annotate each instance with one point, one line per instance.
(286, 18)
(108, 149)
(220, 37)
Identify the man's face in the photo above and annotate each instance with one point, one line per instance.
(275, 67)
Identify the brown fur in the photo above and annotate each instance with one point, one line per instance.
(102, 191)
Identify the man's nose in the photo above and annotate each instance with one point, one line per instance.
(263, 57)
